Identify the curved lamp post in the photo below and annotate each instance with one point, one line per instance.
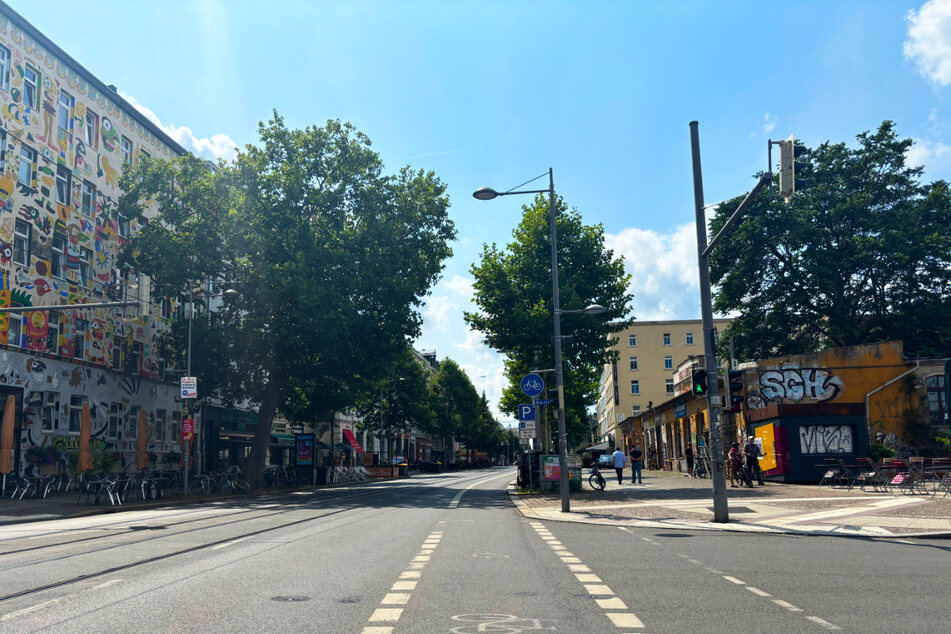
(487, 193)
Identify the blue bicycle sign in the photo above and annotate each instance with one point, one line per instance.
(532, 385)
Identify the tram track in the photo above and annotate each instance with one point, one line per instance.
(199, 547)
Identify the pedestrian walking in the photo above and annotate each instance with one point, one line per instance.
(617, 459)
(752, 452)
(736, 462)
(637, 460)
(688, 454)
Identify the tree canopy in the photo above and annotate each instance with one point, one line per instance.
(513, 290)
(861, 254)
(329, 260)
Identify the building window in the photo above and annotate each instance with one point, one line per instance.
(636, 409)
(666, 338)
(64, 184)
(669, 383)
(31, 81)
(632, 340)
(115, 420)
(89, 198)
(116, 353)
(176, 425)
(689, 338)
(668, 362)
(635, 387)
(132, 422)
(65, 112)
(52, 336)
(123, 227)
(144, 155)
(79, 338)
(633, 363)
(22, 234)
(58, 258)
(75, 412)
(4, 68)
(160, 424)
(15, 327)
(92, 130)
(85, 257)
(126, 150)
(27, 163)
(936, 405)
(135, 358)
(50, 411)
(3, 148)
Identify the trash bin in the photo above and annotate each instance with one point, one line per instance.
(403, 469)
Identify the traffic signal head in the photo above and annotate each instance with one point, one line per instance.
(735, 385)
(699, 382)
(788, 167)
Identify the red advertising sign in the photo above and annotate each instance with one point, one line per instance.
(188, 429)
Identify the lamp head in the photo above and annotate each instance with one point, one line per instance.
(595, 309)
(485, 193)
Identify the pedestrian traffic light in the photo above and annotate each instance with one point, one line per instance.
(699, 382)
(735, 386)
(789, 167)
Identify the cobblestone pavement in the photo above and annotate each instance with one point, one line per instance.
(677, 500)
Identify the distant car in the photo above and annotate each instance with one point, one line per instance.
(400, 461)
(604, 460)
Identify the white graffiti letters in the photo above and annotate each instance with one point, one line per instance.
(815, 439)
(799, 384)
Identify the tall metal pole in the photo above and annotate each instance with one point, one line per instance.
(188, 372)
(720, 510)
(559, 377)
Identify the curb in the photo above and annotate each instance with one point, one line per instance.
(733, 527)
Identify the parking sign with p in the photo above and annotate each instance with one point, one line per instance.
(526, 412)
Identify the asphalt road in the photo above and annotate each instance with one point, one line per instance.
(448, 553)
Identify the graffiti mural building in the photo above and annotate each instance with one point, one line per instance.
(65, 138)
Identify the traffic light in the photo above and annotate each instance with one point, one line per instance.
(735, 386)
(699, 382)
(788, 166)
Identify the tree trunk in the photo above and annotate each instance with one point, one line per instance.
(254, 468)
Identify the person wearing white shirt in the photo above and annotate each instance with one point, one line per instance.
(617, 459)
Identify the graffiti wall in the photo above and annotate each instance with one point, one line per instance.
(816, 439)
(55, 390)
(843, 375)
(63, 143)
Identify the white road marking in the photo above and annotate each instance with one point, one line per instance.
(588, 578)
(823, 623)
(455, 501)
(404, 585)
(613, 603)
(786, 604)
(624, 619)
(107, 584)
(757, 591)
(235, 541)
(32, 608)
(386, 614)
(395, 598)
(377, 630)
(734, 580)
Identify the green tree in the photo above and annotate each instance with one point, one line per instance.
(330, 260)
(455, 405)
(398, 401)
(861, 254)
(513, 290)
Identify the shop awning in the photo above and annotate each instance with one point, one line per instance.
(601, 446)
(352, 440)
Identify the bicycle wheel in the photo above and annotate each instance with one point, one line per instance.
(596, 482)
(242, 486)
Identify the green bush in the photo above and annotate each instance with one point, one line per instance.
(877, 452)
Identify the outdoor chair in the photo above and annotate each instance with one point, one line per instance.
(944, 485)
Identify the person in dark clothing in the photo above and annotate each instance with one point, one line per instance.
(688, 454)
(637, 459)
(752, 453)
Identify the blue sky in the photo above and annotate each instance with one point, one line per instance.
(494, 93)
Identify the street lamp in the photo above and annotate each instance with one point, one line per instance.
(487, 193)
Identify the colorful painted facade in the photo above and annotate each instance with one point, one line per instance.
(64, 138)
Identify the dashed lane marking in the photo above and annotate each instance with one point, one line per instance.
(786, 604)
(734, 580)
(758, 592)
(614, 608)
(823, 623)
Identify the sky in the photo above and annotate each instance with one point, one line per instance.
(493, 93)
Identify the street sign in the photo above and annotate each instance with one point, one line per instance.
(188, 429)
(189, 387)
(532, 385)
(527, 424)
(526, 412)
(544, 401)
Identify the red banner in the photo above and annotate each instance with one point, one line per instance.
(188, 429)
(352, 440)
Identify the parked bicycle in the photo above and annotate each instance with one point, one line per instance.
(596, 481)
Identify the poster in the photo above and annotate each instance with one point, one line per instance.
(304, 450)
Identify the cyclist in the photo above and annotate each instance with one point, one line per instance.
(752, 452)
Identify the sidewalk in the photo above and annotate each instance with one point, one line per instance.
(670, 500)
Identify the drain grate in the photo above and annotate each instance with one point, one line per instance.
(290, 598)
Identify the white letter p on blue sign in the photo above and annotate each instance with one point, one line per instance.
(526, 412)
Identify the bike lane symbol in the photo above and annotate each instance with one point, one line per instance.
(532, 385)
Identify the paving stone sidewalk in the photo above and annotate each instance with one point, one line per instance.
(674, 501)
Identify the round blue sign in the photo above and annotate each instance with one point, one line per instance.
(532, 385)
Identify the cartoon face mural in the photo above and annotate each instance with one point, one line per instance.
(110, 138)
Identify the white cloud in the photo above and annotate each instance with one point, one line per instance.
(929, 40)
(663, 270)
(769, 122)
(927, 153)
(215, 147)
(462, 286)
(437, 311)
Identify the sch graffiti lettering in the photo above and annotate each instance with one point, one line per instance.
(815, 439)
(799, 384)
